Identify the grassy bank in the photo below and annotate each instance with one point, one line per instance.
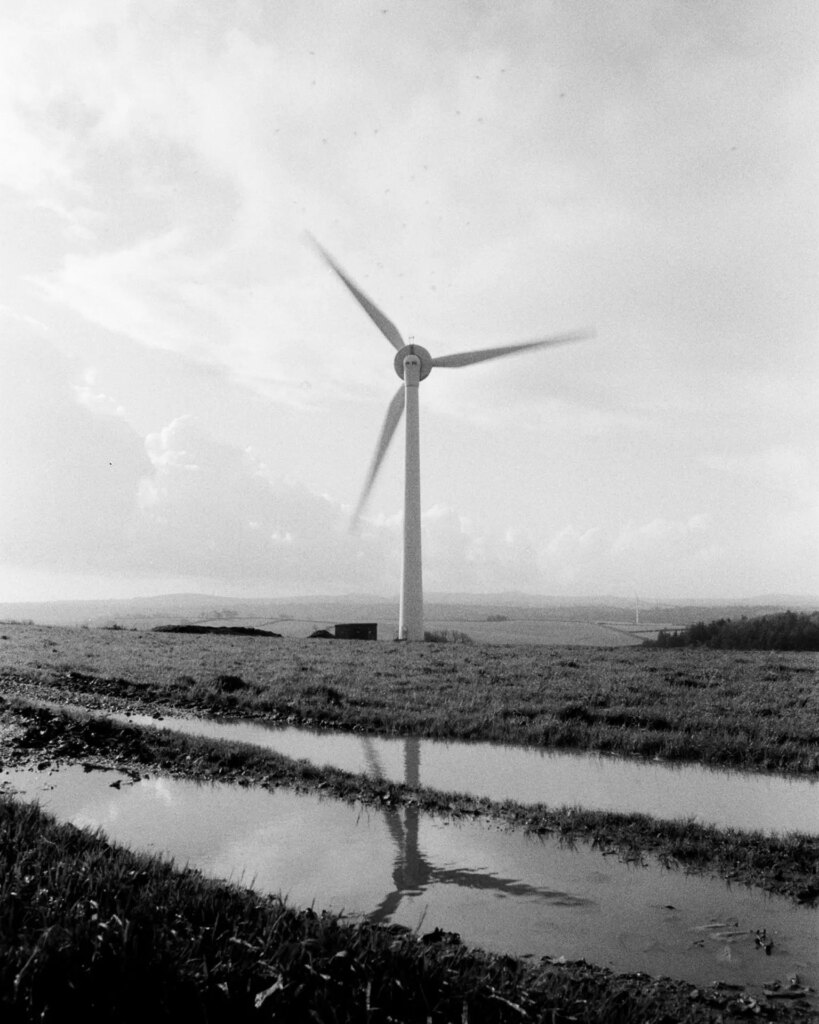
(96, 933)
(742, 709)
(785, 865)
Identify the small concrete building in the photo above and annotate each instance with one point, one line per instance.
(356, 631)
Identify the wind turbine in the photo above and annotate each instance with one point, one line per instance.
(413, 364)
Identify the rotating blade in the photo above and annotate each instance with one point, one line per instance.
(381, 321)
(391, 420)
(480, 355)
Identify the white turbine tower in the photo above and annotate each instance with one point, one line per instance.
(412, 364)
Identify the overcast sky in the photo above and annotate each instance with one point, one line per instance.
(190, 398)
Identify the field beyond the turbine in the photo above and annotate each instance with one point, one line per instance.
(743, 709)
(550, 632)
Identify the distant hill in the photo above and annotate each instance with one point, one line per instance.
(146, 612)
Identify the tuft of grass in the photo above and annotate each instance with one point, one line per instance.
(447, 636)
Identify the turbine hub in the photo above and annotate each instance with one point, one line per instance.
(413, 350)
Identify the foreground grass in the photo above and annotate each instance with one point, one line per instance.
(743, 709)
(97, 933)
(785, 865)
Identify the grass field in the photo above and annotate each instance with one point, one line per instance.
(744, 709)
(93, 930)
(511, 631)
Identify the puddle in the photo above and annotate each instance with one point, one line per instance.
(728, 799)
(499, 890)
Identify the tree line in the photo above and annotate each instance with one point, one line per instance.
(785, 631)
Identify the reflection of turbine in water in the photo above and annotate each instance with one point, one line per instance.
(412, 873)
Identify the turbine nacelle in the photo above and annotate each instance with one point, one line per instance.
(424, 360)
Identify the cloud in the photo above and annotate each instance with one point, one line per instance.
(96, 401)
(788, 469)
(83, 492)
(487, 176)
(211, 510)
(658, 555)
(145, 291)
(202, 143)
(70, 469)
(659, 533)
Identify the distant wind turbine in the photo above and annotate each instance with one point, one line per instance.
(412, 364)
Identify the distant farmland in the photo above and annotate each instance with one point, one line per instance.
(558, 632)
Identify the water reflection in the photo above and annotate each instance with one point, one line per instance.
(500, 890)
(727, 799)
(412, 872)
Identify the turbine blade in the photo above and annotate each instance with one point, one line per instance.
(381, 321)
(480, 355)
(391, 421)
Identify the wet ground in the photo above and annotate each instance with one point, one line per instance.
(499, 890)
(727, 799)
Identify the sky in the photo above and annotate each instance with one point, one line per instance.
(190, 399)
